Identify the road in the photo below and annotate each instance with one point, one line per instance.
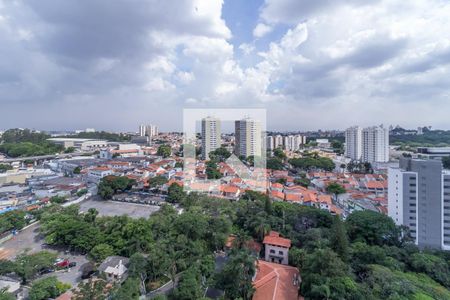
(30, 239)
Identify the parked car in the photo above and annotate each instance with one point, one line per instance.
(63, 264)
(46, 271)
(72, 264)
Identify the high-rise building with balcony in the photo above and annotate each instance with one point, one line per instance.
(375, 146)
(211, 136)
(370, 144)
(353, 143)
(248, 136)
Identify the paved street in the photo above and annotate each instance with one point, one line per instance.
(112, 208)
(29, 239)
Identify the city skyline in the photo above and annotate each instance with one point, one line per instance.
(70, 63)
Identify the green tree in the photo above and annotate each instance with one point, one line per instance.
(82, 192)
(279, 153)
(282, 181)
(27, 265)
(335, 189)
(105, 191)
(305, 182)
(274, 163)
(58, 199)
(77, 170)
(12, 220)
(297, 257)
(46, 288)
(157, 182)
(164, 151)
(235, 279)
(138, 269)
(339, 240)
(309, 162)
(69, 150)
(93, 289)
(4, 168)
(373, 228)
(319, 268)
(175, 193)
(212, 171)
(220, 154)
(6, 266)
(110, 185)
(101, 251)
(90, 215)
(432, 265)
(446, 162)
(129, 290)
(189, 286)
(4, 295)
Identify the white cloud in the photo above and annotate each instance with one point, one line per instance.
(246, 48)
(357, 58)
(261, 30)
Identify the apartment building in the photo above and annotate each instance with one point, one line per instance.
(148, 130)
(288, 142)
(211, 132)
(375, 146)
(370, 144)
(419, 198)
(248, 138)
(353, 143)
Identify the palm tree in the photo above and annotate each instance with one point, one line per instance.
(261, 227)
(241, 239)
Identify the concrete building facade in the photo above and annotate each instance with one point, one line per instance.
(375, 146)
(211, 136)
(419, 198)
(276, 248)
(353, 143)
(370, 144)
(248, 138)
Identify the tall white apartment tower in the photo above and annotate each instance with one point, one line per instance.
(142, 130)
(148, 130)
(270, 142)
(353, 143)
(211, 136)
(419, 198)
(152, 130)
(375, 146)
(248, 137)
(278, 141)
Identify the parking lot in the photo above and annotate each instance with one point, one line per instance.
(113, 208)
(30, 239)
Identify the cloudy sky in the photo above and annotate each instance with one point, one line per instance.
(312, 63)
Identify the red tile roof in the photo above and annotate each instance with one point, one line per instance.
(276, 282)
(277, 185)
(273, 238)
(277, 194)
(293, 197)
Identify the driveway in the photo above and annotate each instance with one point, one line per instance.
(30, 239)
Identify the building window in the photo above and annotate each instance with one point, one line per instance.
(272, 251)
